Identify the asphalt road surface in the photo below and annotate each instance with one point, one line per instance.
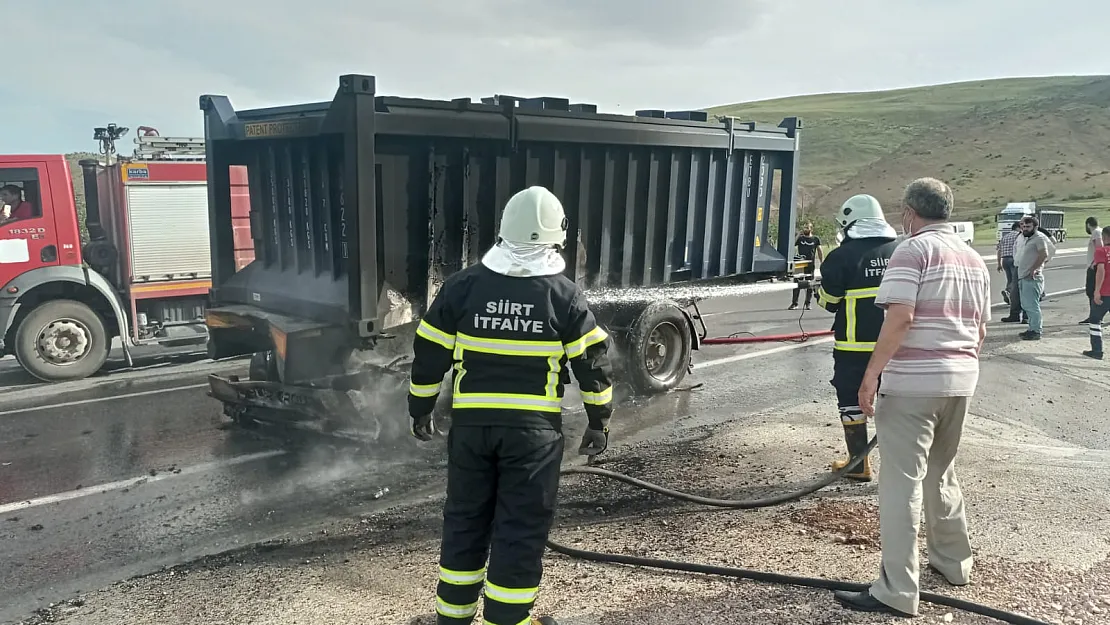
(128, 472)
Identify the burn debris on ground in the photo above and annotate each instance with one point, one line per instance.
(848, 522)
(367, 551)
(55, 612)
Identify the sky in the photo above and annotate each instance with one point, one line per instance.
(146, 62)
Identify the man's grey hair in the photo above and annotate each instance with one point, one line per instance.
(930, 198)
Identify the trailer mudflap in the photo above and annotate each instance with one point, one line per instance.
(274, 401)
(333, 402)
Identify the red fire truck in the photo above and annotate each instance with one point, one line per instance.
(141, 275)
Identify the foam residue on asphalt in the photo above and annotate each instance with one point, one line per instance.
(682, 292)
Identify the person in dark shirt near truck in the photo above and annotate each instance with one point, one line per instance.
(809, 249)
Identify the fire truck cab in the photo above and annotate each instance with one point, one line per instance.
(143, 272)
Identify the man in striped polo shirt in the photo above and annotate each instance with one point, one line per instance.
(936, 292)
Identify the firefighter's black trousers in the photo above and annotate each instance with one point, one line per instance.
(848, 371)
(501, 489)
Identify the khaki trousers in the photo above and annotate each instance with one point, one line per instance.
(918, 441)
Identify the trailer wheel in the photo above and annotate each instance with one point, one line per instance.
(62, 340)
(660, 348)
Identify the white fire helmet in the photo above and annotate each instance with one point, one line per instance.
(860, 206)
(534, 216)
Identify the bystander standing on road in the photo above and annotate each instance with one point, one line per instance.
(1100, 300)
(1005, 256)
(1031, 252)
(936, 292)
(1017, 315)
(809, 249)
(1093, 244)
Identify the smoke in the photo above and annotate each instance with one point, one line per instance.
(364, 451)
(380, 410)
(318, 471)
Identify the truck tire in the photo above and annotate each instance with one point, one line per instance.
(659, 349)
(62, 340)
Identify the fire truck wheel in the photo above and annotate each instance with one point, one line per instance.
(660, 346)
(62, 340)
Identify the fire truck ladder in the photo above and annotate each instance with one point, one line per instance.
(155, 148)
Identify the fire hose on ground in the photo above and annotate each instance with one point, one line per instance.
(766, 338)
(751, 574)
(801, 336)
(751, 504)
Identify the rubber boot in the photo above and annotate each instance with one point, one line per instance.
(855, 435)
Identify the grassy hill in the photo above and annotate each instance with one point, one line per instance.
(1043, 139)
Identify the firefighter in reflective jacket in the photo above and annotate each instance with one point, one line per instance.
(509, 327)
(850, 278)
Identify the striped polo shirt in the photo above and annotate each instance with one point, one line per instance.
(948, 285)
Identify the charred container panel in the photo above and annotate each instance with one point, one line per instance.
(366, 200)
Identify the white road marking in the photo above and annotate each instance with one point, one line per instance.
(136, 481)
(764, 352)
(1071, 251)
(1065, 252)
(817, 341)
(1057, 293)
(219, 464)
(82, 402)
(706, 363)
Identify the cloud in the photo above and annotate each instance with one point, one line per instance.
(147, 62)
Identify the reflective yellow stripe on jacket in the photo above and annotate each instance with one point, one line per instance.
(851, 299)
(439, 337)
(576, 348)
(435, 335)
(553, 351)
(824, 300)
(548, 402)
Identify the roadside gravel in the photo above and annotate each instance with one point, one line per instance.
(381, 569)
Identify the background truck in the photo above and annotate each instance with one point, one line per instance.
(141, 275)
(1052, 221)
(360, 207)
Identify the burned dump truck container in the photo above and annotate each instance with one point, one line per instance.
(361, 206)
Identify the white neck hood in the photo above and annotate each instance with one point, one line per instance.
(868, 228)
(523, 260)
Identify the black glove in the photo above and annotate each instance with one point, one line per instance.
(594, 441)
(423, 427)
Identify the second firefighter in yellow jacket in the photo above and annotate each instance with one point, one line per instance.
(850, 278)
